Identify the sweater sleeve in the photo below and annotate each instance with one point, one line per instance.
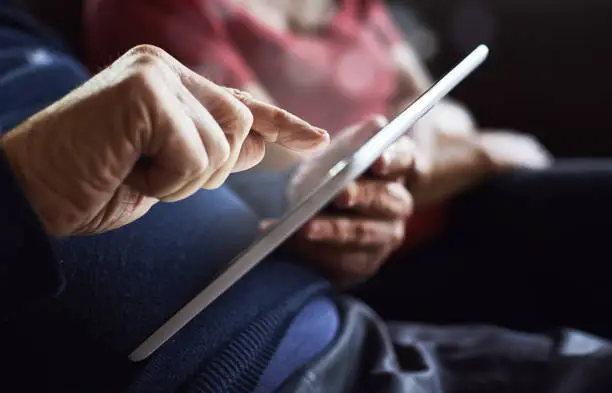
(28, 270)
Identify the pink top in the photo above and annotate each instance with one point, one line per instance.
(334, 78)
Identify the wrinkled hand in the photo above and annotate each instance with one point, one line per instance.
(510, 149)
(456, 154)
(144, 130)
(351, 240)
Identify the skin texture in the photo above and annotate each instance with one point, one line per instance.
(445, 154)
(352, 238)
(144, 130)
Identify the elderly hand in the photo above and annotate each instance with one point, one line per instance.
(443, 156)
(456, 154)
(144, 130)
(352, 238)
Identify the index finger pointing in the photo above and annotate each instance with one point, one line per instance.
(279, 126)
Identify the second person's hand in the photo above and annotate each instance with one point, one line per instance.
(351, 239)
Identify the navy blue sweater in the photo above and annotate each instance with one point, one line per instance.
(115, 297)
(28, 269)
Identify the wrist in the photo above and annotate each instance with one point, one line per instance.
(14, 148)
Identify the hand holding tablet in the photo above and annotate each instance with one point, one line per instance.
(342, 166)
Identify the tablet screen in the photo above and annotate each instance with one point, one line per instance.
(290, 190)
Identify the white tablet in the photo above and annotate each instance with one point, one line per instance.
(347, 169)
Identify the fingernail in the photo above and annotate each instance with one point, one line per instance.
(320, 131)
(307, 142)
(321, 138)
(311, 132)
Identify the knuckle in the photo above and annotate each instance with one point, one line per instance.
(243, 117)
(138, 94)
(200, 167)
(280, 115)
(145, 54)
(143, 79)
(148, 64)
(224, 152)
(233, 115)
(219, 155)
(241, 95)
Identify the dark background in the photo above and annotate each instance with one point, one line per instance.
(549, 74)
(550, 70)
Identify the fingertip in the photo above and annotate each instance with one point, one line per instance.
(348, 197)
(320, 136)
(313, 140)
(324, 134)
(343, 200)
(381, 165)
(324, 139)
